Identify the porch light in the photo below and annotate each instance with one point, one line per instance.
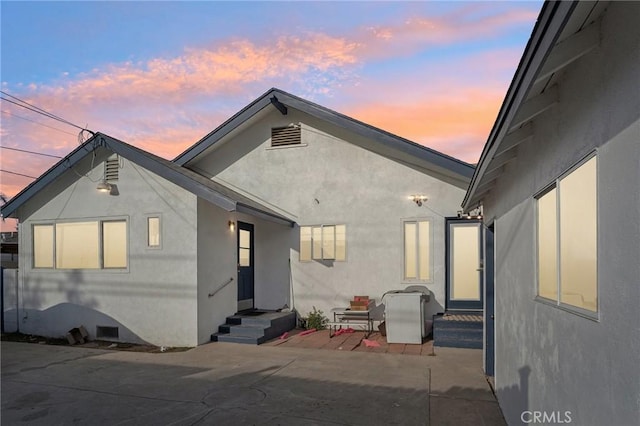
(232, 226)
(418, 199)
(103, 186)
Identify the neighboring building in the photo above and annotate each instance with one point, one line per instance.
(286, 203)
(559, 182)
(9, 249)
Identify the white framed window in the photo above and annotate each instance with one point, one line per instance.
(43, 246)
(567, 242)
(114, 244)
(78, 245)
(323, 242)
(154, 232)
(81, 245)
(417, 250)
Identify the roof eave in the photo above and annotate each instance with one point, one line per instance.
(440, 161)
(551, 21)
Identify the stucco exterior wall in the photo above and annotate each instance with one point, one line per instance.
(154, 299)
(331, 181)
(548, 359)
(217, 260)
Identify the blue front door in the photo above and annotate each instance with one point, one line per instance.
(245, 266)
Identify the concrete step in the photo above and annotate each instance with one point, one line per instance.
(255, 327)
(246, 330)
(458, 343)
(458, 330)
(218, 337)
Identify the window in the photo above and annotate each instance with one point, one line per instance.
(114, 244)
(567, 239)
(153, 231)
(286, 136)
(80, 245)
(323, 242)
(43, 246)
(417, 244)
(77, 245)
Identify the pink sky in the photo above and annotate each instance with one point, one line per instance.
(166, 103)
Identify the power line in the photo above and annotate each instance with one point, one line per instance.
(30, 152)
(35, 122)
(38, 110)
(18, 174)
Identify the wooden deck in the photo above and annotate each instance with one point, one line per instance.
(349, 342)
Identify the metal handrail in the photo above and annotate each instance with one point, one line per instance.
(221, 287)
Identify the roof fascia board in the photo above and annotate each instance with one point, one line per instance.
(224, 129)
(50, 175)
(242, 208)
(171, 175)
(387, 139)
(553, 17)
(439, 160)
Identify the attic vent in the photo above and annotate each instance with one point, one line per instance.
(111, 167)
(285, 136)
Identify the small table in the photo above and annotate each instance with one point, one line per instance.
(345, 317)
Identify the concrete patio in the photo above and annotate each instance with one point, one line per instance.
(231, 384)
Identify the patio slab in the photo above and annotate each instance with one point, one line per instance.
(224, 383)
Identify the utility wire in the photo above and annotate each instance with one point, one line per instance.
(30, 152)
(18, 174)
(38, 110)
(35, 122)
(47, 113)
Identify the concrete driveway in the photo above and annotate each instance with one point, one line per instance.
(228, 384)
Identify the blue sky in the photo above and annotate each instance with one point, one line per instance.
(160, 75)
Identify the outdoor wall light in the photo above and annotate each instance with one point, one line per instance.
(474, 214)
(103, 186)
(232, 226)
(418, 199)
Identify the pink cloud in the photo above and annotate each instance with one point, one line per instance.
(166, 104)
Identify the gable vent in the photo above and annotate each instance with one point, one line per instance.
(285, 136)
(111, 167)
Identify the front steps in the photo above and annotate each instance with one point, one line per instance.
(458, 330)
(254, 327)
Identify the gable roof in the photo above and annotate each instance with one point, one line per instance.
(564, 32)
(423, 156)
(198, 185)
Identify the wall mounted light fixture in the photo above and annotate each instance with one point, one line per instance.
(104, 186)
(232, 226)
(418, 199)
(473, 214)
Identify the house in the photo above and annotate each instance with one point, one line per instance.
(558, 182)
(286, 204)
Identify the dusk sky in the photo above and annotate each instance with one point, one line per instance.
(161, 75)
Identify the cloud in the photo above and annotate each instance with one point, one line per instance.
(166, 104)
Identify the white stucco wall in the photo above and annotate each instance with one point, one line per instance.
(216, 266)
(331, 181)
(548, 359)
(154, 299)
